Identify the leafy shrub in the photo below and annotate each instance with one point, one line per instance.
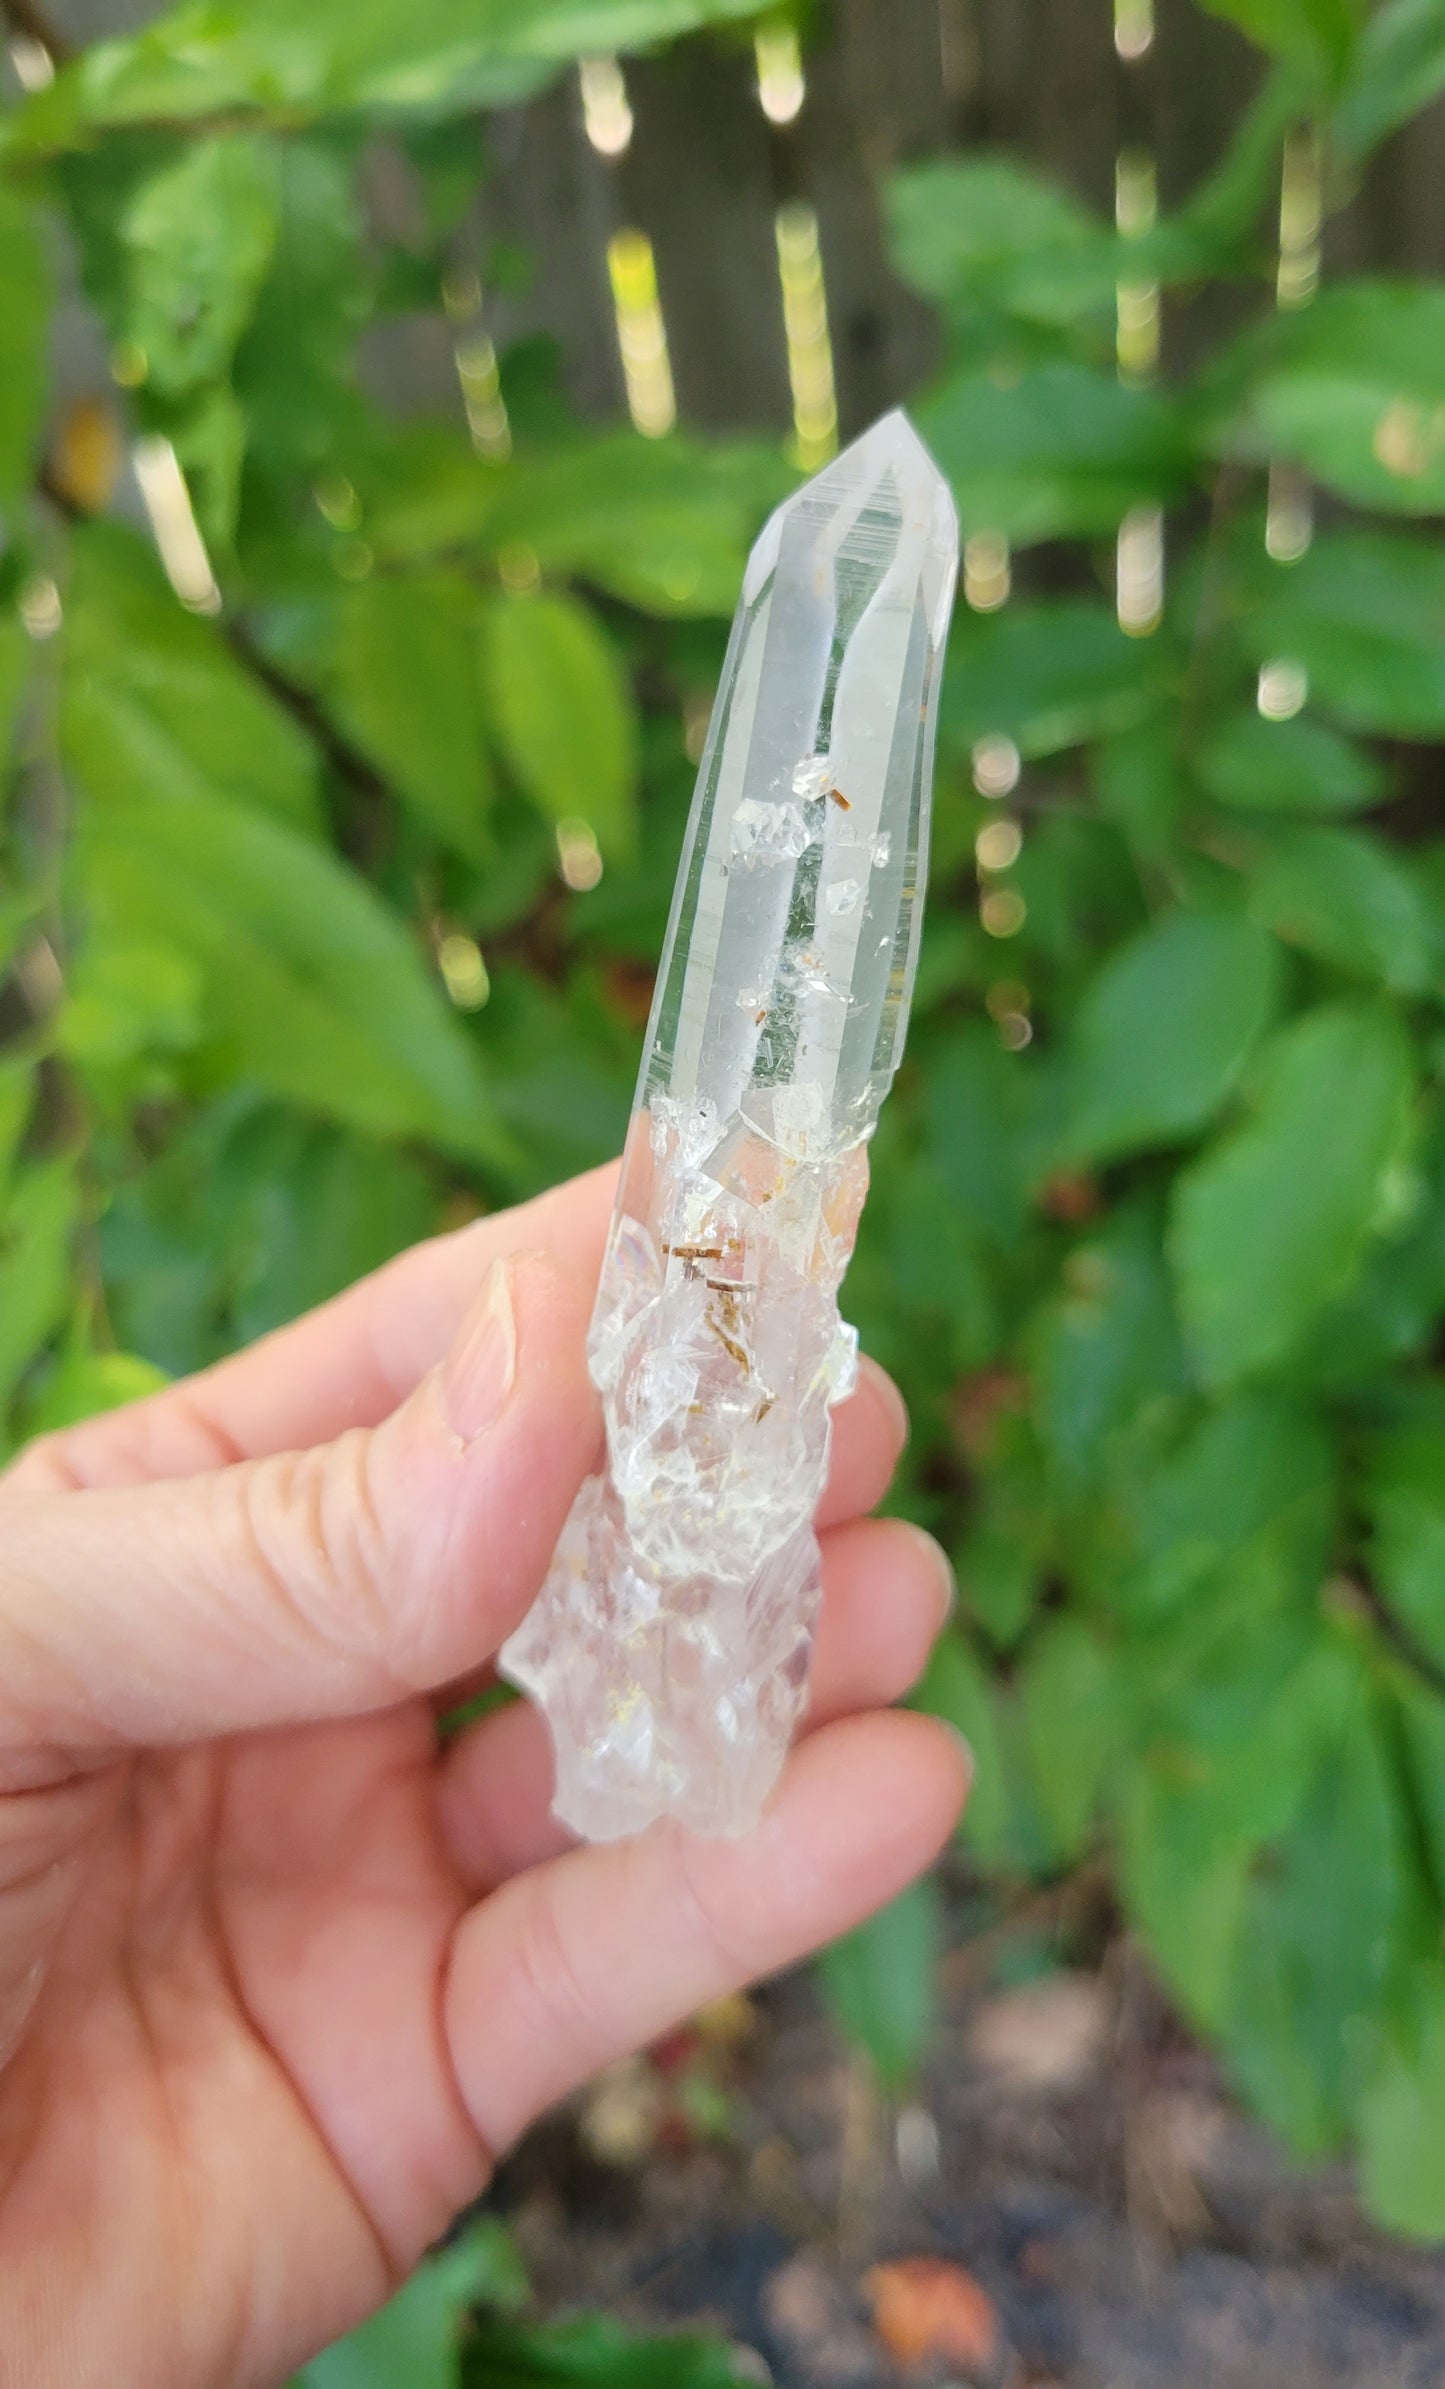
(1157, 1242)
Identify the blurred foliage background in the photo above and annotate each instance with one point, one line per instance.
(349, 719)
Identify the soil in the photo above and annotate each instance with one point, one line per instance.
(1069, 2147)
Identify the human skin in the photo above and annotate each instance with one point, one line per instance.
(280, 1977)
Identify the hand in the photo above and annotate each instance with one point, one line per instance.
(279, 1977)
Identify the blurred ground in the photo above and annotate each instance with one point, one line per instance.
(1071, 2153)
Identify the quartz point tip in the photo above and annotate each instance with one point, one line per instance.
(669, 1645)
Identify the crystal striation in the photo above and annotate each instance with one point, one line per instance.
(669, 1646)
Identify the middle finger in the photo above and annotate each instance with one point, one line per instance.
(887, 1588)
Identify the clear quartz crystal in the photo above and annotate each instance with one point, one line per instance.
(669, 1645)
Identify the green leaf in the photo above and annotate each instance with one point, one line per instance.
(879, 1983)
(422, 491)
(663, 524)
(1218, 230)
(208, 432)
(85, 1383)
(1422, 1723)
(955, 1687)
(17, 650)
(124, 1002)
(272, 1213)
(1402, 2148)
(19, 1087)
(920, 1276)
(1341, 894)
(1391, 1310)
(1399, 69)
(1003, 1558)
(408, 681)
(1047, 676)
(975, 1122)
(24, 355)
(984, 233)
(564, 713)
(1254, 765)
(1255, 1474)
(154, 703)
(1185, 1886)
(1319, 1943)
(1165, 1031)
(1320, 34)
(485, 2267)
(1081, 889)
(1073, 1725)
(565, 1070)
(1364, 612)
(413, 2340)
(1349, 387)
(312, 989)
(1001, 1825)
(1228, 1774)
(592, 2352)
(984, 236)
(1275, 1217)
(1058, 452)
(319, 1209)
(42, 1211)
(199, 237)
(248, 1214)
(1106, 1348)
(438, 57)
(294, 372)
(1405, 1495)
(1140, 788)
(175, 243)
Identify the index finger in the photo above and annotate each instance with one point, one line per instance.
(351, 1361)
(346, 1364)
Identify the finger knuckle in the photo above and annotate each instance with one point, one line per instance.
(313, 1542)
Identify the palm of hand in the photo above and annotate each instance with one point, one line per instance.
(237, 2081)
(273, 1993)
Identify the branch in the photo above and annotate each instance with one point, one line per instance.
(1393, 1630)
(347, 761)
(1036, 1910)
(371, 822)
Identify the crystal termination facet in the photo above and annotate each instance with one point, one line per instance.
(669, 1646)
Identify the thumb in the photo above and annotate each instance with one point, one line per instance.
(313, 1584)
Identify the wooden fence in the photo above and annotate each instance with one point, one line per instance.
(704, 173)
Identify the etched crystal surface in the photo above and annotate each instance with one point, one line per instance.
(669, 1646)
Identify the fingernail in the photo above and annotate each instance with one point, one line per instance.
(478, 1373)
(943, 1571)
